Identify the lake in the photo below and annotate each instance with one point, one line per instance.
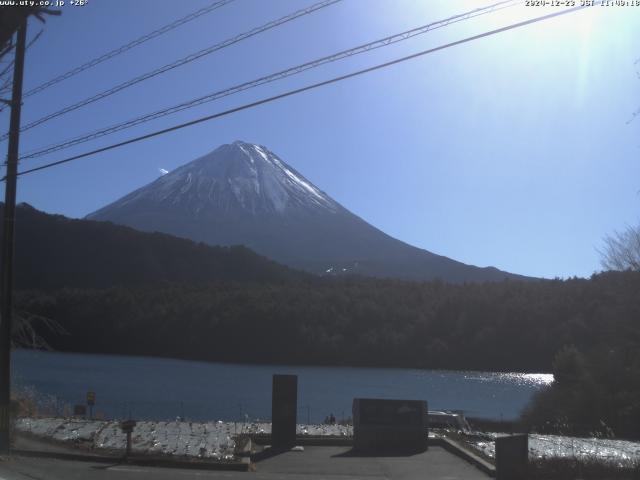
(163, 389)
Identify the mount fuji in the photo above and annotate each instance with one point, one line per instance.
(242, 193)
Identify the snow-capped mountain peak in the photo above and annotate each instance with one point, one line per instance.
(235, 178)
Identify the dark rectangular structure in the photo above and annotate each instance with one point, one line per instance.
(512, 457)
(79, 411)
(284, 408)
(389, 425)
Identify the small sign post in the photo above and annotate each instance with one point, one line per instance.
(127, 427)
(79, 411)
(91, 401)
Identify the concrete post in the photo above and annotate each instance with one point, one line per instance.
(512, 457)
(284, 409)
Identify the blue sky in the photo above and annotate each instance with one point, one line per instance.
(513, 151)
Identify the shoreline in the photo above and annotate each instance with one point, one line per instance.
(286, 365)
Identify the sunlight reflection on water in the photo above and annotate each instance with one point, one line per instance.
(524, 379)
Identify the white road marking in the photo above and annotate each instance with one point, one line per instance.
(126, 469)
(173, 472)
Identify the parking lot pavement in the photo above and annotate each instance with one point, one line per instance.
(314, 463)
(327, 462)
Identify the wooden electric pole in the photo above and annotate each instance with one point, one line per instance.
(6, 277)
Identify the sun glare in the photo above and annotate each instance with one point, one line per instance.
(575, 27)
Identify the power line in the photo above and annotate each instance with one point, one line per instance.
(128, 46)
(302, 89)
(271, 78)
(178, 63)
(6, 86)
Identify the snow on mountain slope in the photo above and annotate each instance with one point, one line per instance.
(240, 177)
(242, 193)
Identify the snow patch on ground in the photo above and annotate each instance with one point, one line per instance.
(214, 440)
(302, 429)
(618, 452)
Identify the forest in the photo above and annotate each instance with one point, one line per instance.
(508, 326)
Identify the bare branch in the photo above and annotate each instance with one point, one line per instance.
(622, 250)
(26, 335)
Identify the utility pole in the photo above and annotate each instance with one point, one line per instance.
(6, 278)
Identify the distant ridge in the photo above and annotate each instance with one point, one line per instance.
(242, 193)
(53, 252)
